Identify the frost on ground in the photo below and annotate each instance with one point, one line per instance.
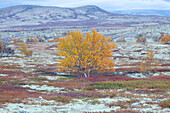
(45, 88)
(3, 75)
(52, 77)
(22, 108)
(80, 106)
(39, 74)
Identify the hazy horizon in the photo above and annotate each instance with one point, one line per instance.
(109, 5)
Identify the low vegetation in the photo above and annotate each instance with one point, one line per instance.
(141, 39)
(165, 104)
(135, 84)
(96, 72)
(165, 39)
(23, 49)
(149, 64)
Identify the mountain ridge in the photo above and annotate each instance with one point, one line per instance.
(89, 15)
(165, 12)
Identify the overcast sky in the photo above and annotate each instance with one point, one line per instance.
(109, 5)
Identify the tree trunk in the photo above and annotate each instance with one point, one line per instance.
(89, 72)
(84, 74)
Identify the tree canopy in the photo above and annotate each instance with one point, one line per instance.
(83, 54)
(149, 64)
(23, 49)
(1, 46)
(165, 38)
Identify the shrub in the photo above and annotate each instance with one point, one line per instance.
(83, 94)
(67, 78)
(121, 40)
(36, 39)
(23, 49)
(29, 39)
(109, 85)
(139, 39)
(56, 40)
(63, 99)
(17, 41)
(86, 54)
(103, 78)
(94, 102)
(149, 64)
(1, 46)
(140, 84)
(165, 38)
(165, 104)
(59, 98)
(15, 94)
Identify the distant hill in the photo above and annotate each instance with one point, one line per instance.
(29, 15)
(145, 12)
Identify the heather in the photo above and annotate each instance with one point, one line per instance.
(100, 73)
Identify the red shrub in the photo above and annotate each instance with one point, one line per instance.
(102, 78)
(162, 77)
(15, 94)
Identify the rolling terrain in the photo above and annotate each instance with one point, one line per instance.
(28, 15)
(144, 12)
(30, 80)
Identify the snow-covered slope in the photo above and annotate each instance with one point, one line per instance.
(28, 15)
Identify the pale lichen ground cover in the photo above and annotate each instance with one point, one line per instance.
(40, 64)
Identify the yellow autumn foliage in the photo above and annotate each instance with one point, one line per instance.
(1, 46)
(23, 49)
(36, 39)
(165, 38)
(149, 64)
(56, 40)
(17, 40)
(83, 54)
